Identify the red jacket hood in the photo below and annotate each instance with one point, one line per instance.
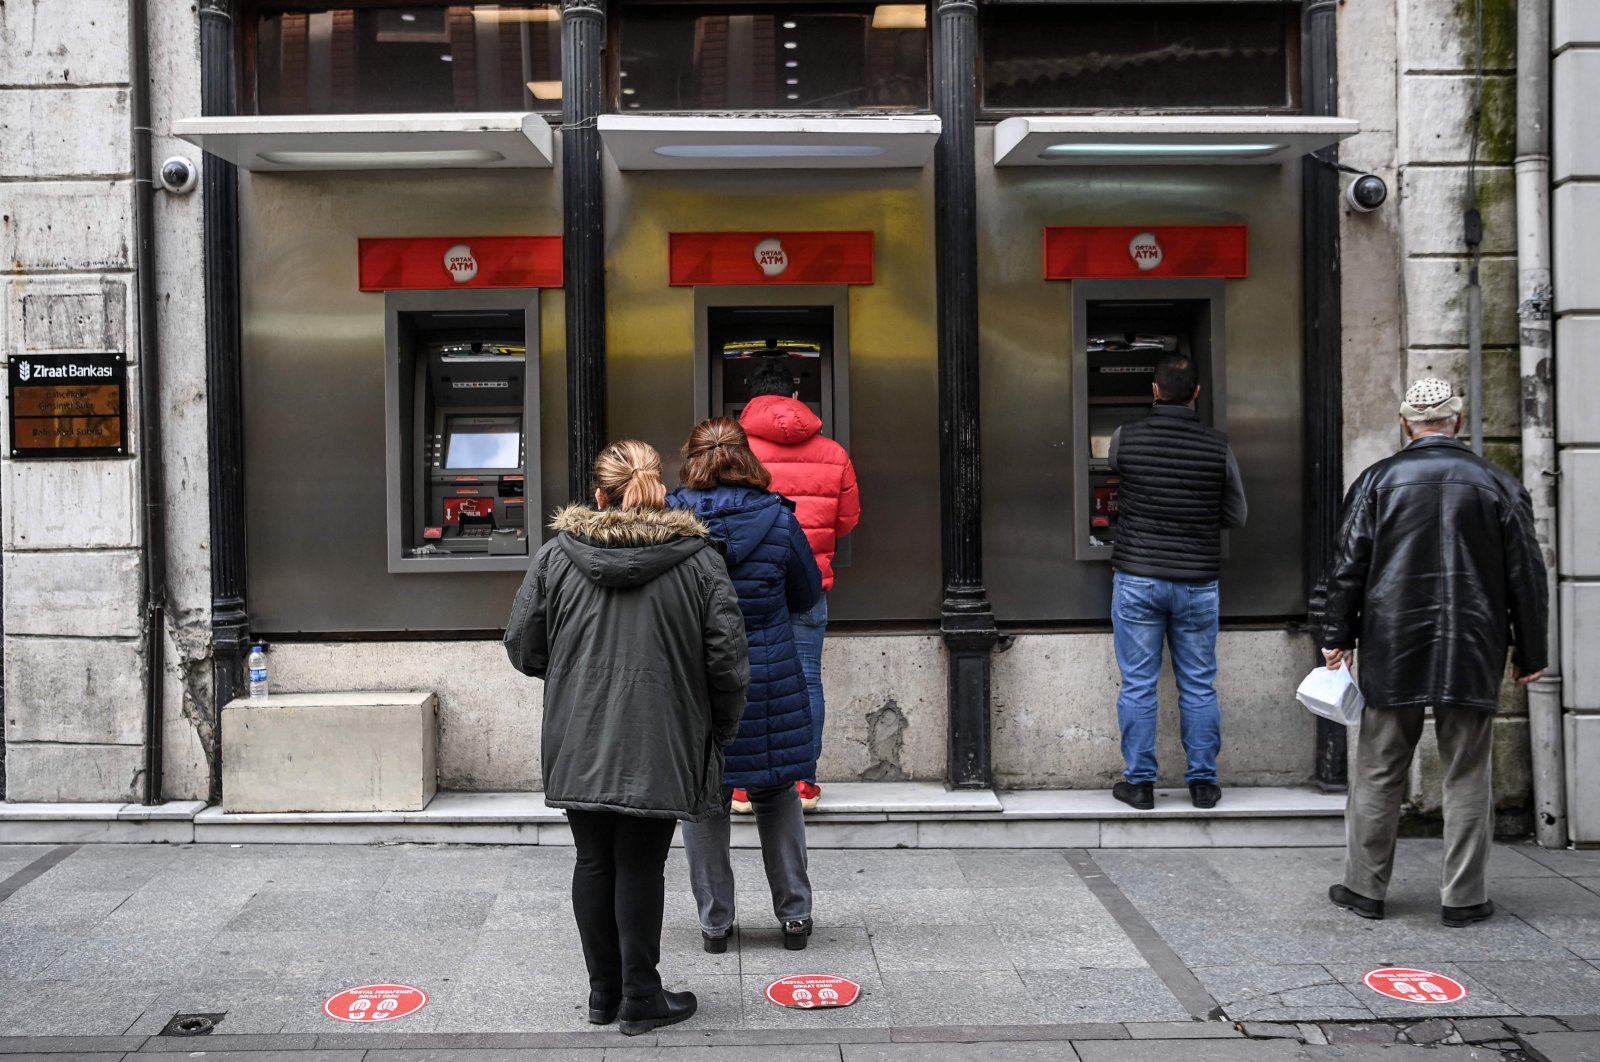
(785, 421)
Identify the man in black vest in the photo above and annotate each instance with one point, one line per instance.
(1180, 488)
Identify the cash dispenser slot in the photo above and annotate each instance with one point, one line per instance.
(1121, 330)
(467, 424)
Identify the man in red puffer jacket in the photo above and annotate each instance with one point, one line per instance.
(815, 473)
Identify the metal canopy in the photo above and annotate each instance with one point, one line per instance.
(1164, 140)
(698, 142)
(284, 143)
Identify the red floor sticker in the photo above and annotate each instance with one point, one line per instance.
(1415, 986)
(371, 1003)
(813, 991)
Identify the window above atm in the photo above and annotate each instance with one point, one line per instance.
(372, 85)
(360, 57)
(1179, 56)
(704, 56)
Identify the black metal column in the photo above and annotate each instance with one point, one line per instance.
(966, 620)
(230, 624)
(1324, 386)
(583, 42)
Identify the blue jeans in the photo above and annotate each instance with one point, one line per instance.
(809, 629)
(1144, 612)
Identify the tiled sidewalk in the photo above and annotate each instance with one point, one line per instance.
(115, 940)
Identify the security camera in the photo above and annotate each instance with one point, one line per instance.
(1366, 193)
(179, 175)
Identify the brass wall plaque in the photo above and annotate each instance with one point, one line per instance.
(68, 405)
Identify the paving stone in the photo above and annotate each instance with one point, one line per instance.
(222, 1040)
(85, 1056)
(1008, 869)
(252, 1007)
(878, 869)
(787, 1053)
(26, 954)
(966, 997)
(677, 1036)
(1574, 863)
(1539, 987)
(902, 949)
(761, 950)
(1280, 993)
(1582, 1022)
(1534, 1025)
(1047, 1051)
(943, 1034)
(211, 1055)
(1266, 1030)
(1311, 1034)
(926, 907)
(77, 911)
(1481, 1030)
(1429, 1032)
(67, 1045)
(1193, 1051)
(1562, 1046)
(1102, 995)
(1182, 1030)
(1374, 1033)
(1562, 910)
(501, 1054)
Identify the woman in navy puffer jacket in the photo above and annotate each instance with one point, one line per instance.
(775, 573)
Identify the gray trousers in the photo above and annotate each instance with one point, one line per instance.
(1383, 760)
(781, 823)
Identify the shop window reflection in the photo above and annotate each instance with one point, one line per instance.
(1236, 55)
(404, 59)
(791, 57)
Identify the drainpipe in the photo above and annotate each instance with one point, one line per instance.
(1538, 398)
(153, 517)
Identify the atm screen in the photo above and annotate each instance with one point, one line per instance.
(482, 442)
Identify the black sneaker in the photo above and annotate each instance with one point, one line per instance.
(667, 1008)
(1204, 794)
(795, 932)
(1456, 917)
(1141, 795)
(1354, 901)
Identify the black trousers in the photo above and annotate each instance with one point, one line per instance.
(618, 888)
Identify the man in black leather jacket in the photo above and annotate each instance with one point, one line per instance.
(1438, 571)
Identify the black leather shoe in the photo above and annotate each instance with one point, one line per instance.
(1354, 901)
(601, 1010)
(667, 1008)
(795, 933)
(1141, 795)
(715, 943)
(1456, 917)
(1204, 794)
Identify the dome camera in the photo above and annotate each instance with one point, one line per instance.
(179, 175)
(1366, 193)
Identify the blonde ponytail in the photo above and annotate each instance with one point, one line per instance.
(629, 474)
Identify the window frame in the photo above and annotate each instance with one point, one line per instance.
(613, 70)
(1292, 47)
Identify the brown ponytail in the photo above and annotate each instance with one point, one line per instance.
(718, 452)
(629, 474)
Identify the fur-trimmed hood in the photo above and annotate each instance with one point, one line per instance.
(627, 547)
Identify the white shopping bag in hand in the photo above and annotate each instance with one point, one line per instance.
(1332, 693)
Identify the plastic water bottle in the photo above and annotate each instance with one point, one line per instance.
(258, 674)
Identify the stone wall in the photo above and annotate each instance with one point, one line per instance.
(71, 532)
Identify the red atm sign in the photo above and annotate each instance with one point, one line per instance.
(770, 258)
(425, 262)
(1113, 252)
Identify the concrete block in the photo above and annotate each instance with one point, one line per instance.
(361, 751)
(67, 315)
(65, 132)
(1583, 778)
(1368, 38)
(1578, 381)
(1055, 717)
(1436, 301)
(1513, 777)
(1432, 199)
(46, 42)
(70, 504)
(1575, 22)
(1579, 522)
(1576, 84)
(1435, 119)
(73, 690)
(1502, 383)
(1580, 618)
(887, 709)
(1438, 35)
(48, 774)
(65, 226)
(1575, 228)
(77, 595)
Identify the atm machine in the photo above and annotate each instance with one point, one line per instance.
(462, 385)
(744, 338)
(1121, 329)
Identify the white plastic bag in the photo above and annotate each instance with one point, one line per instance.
(1332, 693)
